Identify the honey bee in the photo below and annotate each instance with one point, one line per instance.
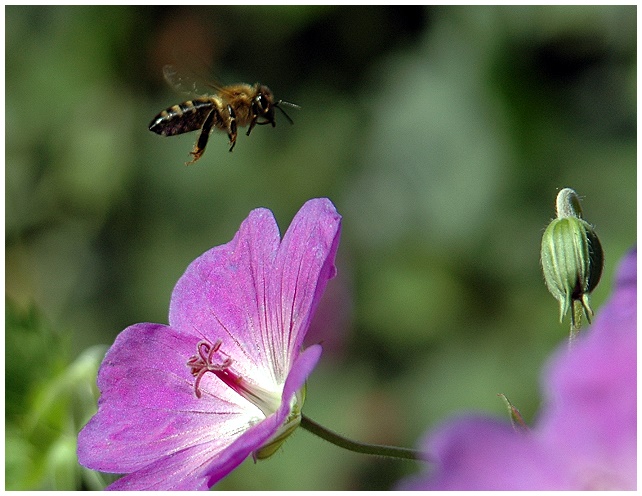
(231, 107)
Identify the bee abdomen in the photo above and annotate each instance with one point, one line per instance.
(182, 118)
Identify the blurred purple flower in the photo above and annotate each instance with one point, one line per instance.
(585, 437)
(183, 405)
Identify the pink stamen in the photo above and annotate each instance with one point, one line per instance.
(203, 361)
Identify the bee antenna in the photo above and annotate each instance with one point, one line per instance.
(289, 104)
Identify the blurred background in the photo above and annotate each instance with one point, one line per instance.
(442, 135)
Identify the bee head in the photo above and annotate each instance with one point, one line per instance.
(265, 105)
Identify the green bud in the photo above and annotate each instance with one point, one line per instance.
(572, 256)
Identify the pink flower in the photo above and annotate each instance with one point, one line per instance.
(182, 405)
(585, 437)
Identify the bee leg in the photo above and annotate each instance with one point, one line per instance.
(252, 124)
(201, 143)
(255, 116)
(231, 128)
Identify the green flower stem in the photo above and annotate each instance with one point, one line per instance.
(368, 449)
(576, 320)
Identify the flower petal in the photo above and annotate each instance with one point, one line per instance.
(200, 466)
(221, 294)
(150, 422)
(592, 391)
(180, 471)
(148, 409)
(257, 294)
(304, 264)
(479, 453)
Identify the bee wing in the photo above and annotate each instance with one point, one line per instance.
(181, 81)
(190, 83)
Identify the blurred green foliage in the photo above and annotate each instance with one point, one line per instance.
(48, 400)
(442, 134)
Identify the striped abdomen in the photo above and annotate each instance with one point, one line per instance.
(182, 118)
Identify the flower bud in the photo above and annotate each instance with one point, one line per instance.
(572, 257)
